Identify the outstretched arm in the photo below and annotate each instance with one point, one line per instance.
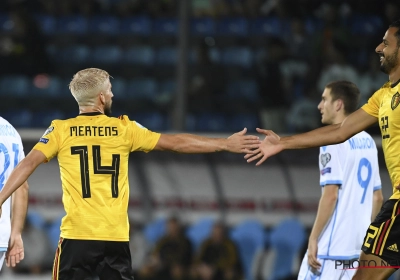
(327, 135)
(193, 144)
(21, 173)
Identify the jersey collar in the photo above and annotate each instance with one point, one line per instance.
(91, 114)
(395, 84)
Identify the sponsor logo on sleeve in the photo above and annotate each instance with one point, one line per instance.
(44, 140)
(325, 158)
(325, 170)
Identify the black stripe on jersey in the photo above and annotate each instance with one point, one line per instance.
(113, 169)
(82, 151)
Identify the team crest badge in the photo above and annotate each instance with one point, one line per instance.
(395, 100)
(325, 158)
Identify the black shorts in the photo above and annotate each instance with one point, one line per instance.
(383, 235)
(85, 259)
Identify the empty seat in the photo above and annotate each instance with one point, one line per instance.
(106, 55)
(141, 25)
(366, 25)
(106, 25)
(167, 90)
(246, 90)
(75, 25)
(18, 118)
(241, 120)
(215, 55)
(167, 56)
(73, 54)
(142, 89)
(199, 231)
(119, 87)
(141, 55)
(53, 232)
(166, 26)
(44, 85)
(251, 239)
(43, 119)
(152, 120)
(287, 239)
(267, 26)
(233, 27)
(47, 24)
(203, 27)
(211, 122)
(6, 24)
(238, 56)
(14, 85)
(154, 230)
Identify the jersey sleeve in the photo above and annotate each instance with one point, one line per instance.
(21, 153)
(49, 143)
(331, 172)
(373, 104)
(143, 139)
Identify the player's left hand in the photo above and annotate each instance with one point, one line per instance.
(242, 143)
(269, 147)
(312, 254)
(15, 252)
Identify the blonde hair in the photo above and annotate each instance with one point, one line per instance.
(86, 84)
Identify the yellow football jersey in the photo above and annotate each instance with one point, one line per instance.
(93, 151)
(384, 105)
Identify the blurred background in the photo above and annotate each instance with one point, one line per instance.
(205, 66)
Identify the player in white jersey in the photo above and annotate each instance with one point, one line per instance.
(14, 209)
(351, 193)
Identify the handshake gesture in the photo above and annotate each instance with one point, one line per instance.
(253, 147)
(268, 147)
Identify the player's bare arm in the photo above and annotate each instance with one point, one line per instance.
(189, 143)
(327, 135)
(15, 251)
(326, 207)
(21, 173)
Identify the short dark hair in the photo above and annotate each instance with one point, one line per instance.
(348, 92)
(397, 34)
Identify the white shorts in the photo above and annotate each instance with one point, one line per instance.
(328, 271)
(2, 257)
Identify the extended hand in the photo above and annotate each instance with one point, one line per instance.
(269, 147)
(242, 143)
(15, 251)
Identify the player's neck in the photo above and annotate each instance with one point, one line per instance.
(394, 77)
(90, 109)
(339, 119)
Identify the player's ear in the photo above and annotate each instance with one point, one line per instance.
(339, 105)
(102, 98)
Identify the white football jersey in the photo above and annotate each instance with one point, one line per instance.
(353, 165)
(11, 153)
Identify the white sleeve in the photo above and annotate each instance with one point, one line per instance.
(21, 153)
(331, 171)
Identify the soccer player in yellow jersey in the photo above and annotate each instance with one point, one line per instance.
(381, 246)
(92, 151)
